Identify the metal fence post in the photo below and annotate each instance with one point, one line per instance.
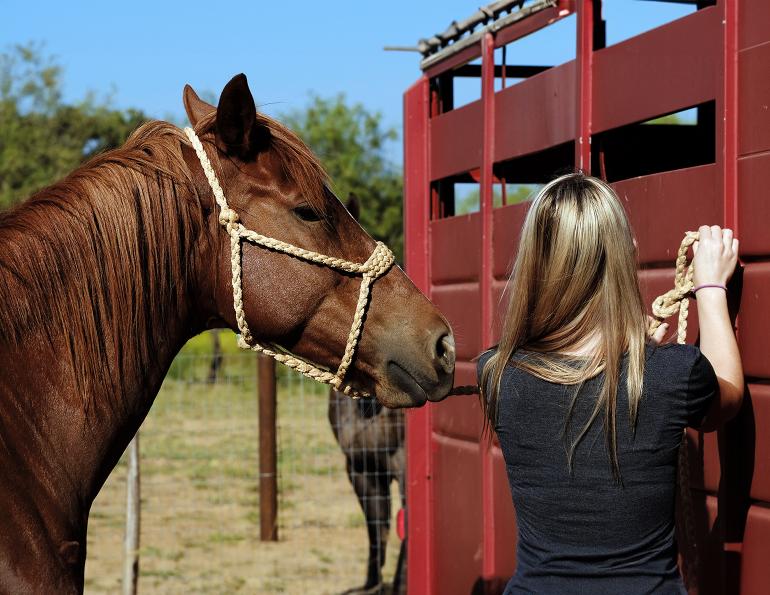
(131, 543)
(268, 480)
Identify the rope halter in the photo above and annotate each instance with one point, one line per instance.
(375, 267)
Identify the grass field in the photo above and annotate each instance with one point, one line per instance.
(200, 500)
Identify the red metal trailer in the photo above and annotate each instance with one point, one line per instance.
(588, 113)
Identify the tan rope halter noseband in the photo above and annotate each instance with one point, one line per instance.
(375, 267)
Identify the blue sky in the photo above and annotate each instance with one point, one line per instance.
(143, 53)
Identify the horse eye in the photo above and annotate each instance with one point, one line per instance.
(305, 213)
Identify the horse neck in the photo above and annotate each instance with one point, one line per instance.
(106, 309)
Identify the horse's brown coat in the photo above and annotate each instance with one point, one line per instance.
(106, 274)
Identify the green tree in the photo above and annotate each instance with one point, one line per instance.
(351, 143)
(669, 119)
(42, 138)
(515, 193)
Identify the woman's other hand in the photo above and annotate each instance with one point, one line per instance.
(660, 332)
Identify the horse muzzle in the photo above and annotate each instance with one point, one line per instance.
(413, 377)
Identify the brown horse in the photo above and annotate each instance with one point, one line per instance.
(107, 273)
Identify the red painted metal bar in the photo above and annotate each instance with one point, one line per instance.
(448, 157)
(727, 166)
(487, 190)
(730, 121)
(584, 65)
(729, 100)
(419, 491)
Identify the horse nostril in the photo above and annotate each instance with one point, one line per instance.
(445, 352)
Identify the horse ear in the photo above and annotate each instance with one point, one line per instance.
(195, 107)
(354, 206)
(238, 132)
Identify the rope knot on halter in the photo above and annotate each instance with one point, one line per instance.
(228, 218)
(378, 263)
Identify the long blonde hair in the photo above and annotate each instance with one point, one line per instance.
(574, 279)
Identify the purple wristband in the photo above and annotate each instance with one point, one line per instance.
(695, 289)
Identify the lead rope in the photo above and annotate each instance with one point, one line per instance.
(375, 267)
(664, 306)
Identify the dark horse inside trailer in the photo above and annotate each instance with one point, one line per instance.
(372, 439)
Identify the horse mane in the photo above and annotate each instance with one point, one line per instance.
(104, 258)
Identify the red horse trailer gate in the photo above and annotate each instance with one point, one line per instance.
(591, 113)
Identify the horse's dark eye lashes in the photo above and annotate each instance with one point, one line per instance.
(306, 213)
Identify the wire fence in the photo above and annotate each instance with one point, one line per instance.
(200, 490)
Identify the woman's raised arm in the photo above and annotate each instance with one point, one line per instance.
(716, 254)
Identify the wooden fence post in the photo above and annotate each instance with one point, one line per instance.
(268, 477)
(131, 543)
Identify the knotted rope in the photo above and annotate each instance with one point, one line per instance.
(677, 298)
(375, 267)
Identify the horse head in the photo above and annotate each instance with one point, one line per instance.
(405, 354)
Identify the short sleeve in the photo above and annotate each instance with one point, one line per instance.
(701, 390)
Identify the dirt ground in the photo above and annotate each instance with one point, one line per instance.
(200, 500)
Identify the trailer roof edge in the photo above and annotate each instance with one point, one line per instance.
(461, 35)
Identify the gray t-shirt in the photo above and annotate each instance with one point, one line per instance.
(581, 532)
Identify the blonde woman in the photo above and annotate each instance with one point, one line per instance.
(589, 412)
